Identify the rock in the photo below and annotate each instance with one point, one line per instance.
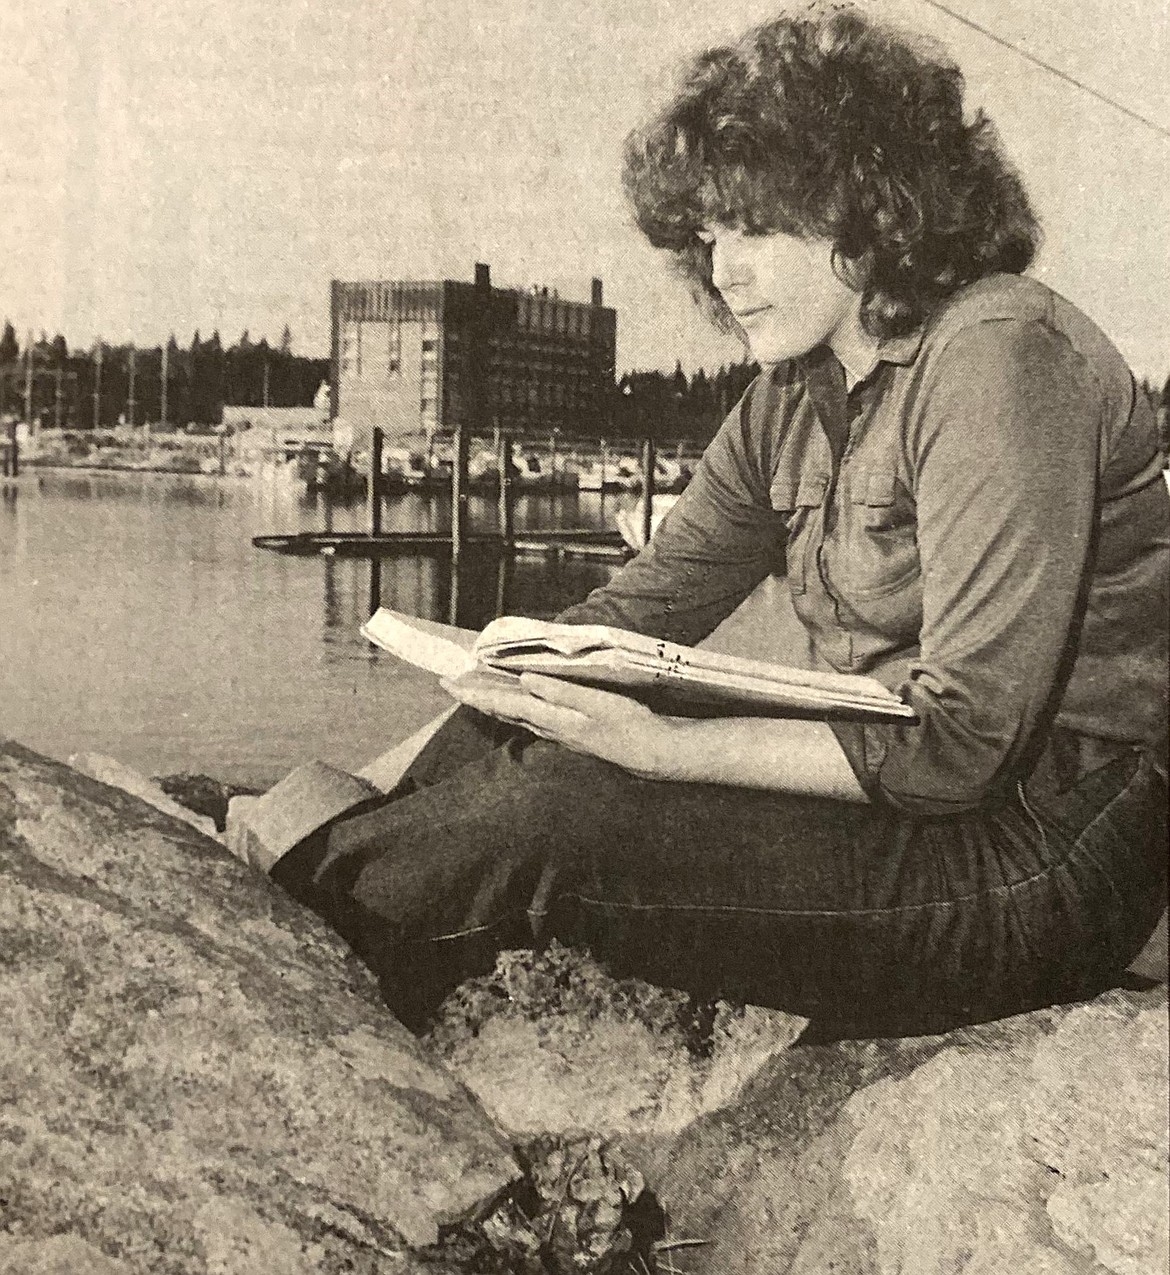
(1036, 1146)
(549, 1043)
(196, 1076)
(203, 794)
(108, 770)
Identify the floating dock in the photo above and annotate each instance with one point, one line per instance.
(559, 543)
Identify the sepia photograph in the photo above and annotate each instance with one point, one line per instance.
(584, 637)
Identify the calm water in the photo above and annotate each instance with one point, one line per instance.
(137, 620)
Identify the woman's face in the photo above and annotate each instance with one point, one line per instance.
(783, 291)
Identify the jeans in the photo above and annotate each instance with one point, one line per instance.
(862, 918)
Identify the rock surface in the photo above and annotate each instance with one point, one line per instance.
(201, 1082)
(195, 1077)
(204, 795)
(549, 1042)
(1036, 1145)
(108, 770)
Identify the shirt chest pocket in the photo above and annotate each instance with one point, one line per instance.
(800, 500)
(874, 548)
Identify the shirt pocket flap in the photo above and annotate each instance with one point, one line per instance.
(804, 492)
(873, 487)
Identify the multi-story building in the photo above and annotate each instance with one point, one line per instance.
(422, 359)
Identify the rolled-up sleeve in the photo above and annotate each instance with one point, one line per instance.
(714, 546)
(1004, 452)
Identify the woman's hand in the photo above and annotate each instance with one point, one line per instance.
(768, 753)
(613, 727)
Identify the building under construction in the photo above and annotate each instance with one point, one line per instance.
(423, 359)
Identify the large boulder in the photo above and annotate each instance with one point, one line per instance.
(201, 1080)
(1035, 1145)
(195, 1075)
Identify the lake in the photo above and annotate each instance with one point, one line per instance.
(137, 619)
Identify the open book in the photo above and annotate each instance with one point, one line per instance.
(676, 679)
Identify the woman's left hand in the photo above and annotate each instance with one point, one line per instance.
(613, 727)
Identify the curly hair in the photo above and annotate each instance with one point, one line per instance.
(826, 124)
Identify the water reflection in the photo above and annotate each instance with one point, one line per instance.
(139, 621)
(488, 583)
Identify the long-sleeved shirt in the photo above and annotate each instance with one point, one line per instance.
(982, 525)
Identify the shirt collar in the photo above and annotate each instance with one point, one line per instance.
(902, 350)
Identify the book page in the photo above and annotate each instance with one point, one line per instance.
(563, 649)
(442, 649)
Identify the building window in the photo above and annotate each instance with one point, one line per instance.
(351, 347)
(393, 348)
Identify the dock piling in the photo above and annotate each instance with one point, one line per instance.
(506, 490)
(12, 452)
(647, 488)
(459, 496)
(374, 507)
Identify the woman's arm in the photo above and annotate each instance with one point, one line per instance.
(721, 538)
(748, 752)
(1005, 452)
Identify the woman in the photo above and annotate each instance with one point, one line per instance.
(969, 490)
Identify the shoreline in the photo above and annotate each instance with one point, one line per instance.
(59, 466)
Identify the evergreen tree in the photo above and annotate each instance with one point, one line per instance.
(178, 383)
(214, 379)
(9, 345)
(9, 368)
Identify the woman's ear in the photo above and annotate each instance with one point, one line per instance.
(853, 272)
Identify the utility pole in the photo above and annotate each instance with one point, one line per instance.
(162, 407)
(97, 386)
(28, 381)
(130, 404)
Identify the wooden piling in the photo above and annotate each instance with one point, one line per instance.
(503, 580)
(505, 499)
(459, 495)
(374, 509)
(647, 488)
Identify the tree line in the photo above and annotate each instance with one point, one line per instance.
(112, 384)
(123, 384)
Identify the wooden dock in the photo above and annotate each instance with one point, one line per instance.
(559, 543)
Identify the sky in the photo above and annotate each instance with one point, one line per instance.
(178, 164)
